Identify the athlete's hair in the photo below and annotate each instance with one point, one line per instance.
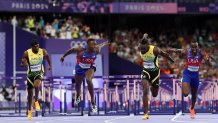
(90, 39)
(34, 42)
(144, 41)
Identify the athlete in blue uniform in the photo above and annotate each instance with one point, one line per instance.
(85, 67)
(190, 76)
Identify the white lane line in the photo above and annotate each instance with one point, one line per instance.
(197, 120)
(174, 118)
(110, 121)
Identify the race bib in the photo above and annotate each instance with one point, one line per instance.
(193, 68)
(83, 65)
(149, 65)
(35, 68)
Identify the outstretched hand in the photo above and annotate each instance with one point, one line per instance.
(62, 59)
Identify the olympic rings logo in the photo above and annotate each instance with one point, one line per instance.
(74, 44)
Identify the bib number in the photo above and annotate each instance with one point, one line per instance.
(35, 68)
(149, 65)
(193, 68)
(83, 65)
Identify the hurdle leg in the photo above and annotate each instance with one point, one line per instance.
(65, 102)
(98, 101)
(19, 103)
(105, 97)
(60, 88)
(15, 99)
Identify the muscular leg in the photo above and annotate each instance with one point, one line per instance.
(36, 86)
(185, 88)
(155, 84)
(89, 76)
(154, 91)
(145, 85)
(78, 81)
(29, 97)
(194, 91)
(186, 80)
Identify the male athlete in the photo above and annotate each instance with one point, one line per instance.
(33, 59)
(85, 67)
(190, 76)
(151, 70)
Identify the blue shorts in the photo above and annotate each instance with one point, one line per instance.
(81, 71)
(191, 77)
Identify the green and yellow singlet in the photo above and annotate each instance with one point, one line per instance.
(150, 61)
(35, 65)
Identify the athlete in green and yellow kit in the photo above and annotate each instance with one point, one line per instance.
(33, 59)
(151, 70)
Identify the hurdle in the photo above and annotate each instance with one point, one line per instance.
(216, 96)
(63, 106)
(18, 108)
(131, 92)
(206, 100)
(164, 103)
(115, 101)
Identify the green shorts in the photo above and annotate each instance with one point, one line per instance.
(152, 77)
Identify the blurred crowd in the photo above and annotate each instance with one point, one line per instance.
(173, 32)
(62, 28)
(7, 94)
(125, 45)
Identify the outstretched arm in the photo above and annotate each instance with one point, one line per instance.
(70, 51)
(45, 54)
(158, 51)
(24, 59)
(177, 51)
(206, 58)
(99, 46)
